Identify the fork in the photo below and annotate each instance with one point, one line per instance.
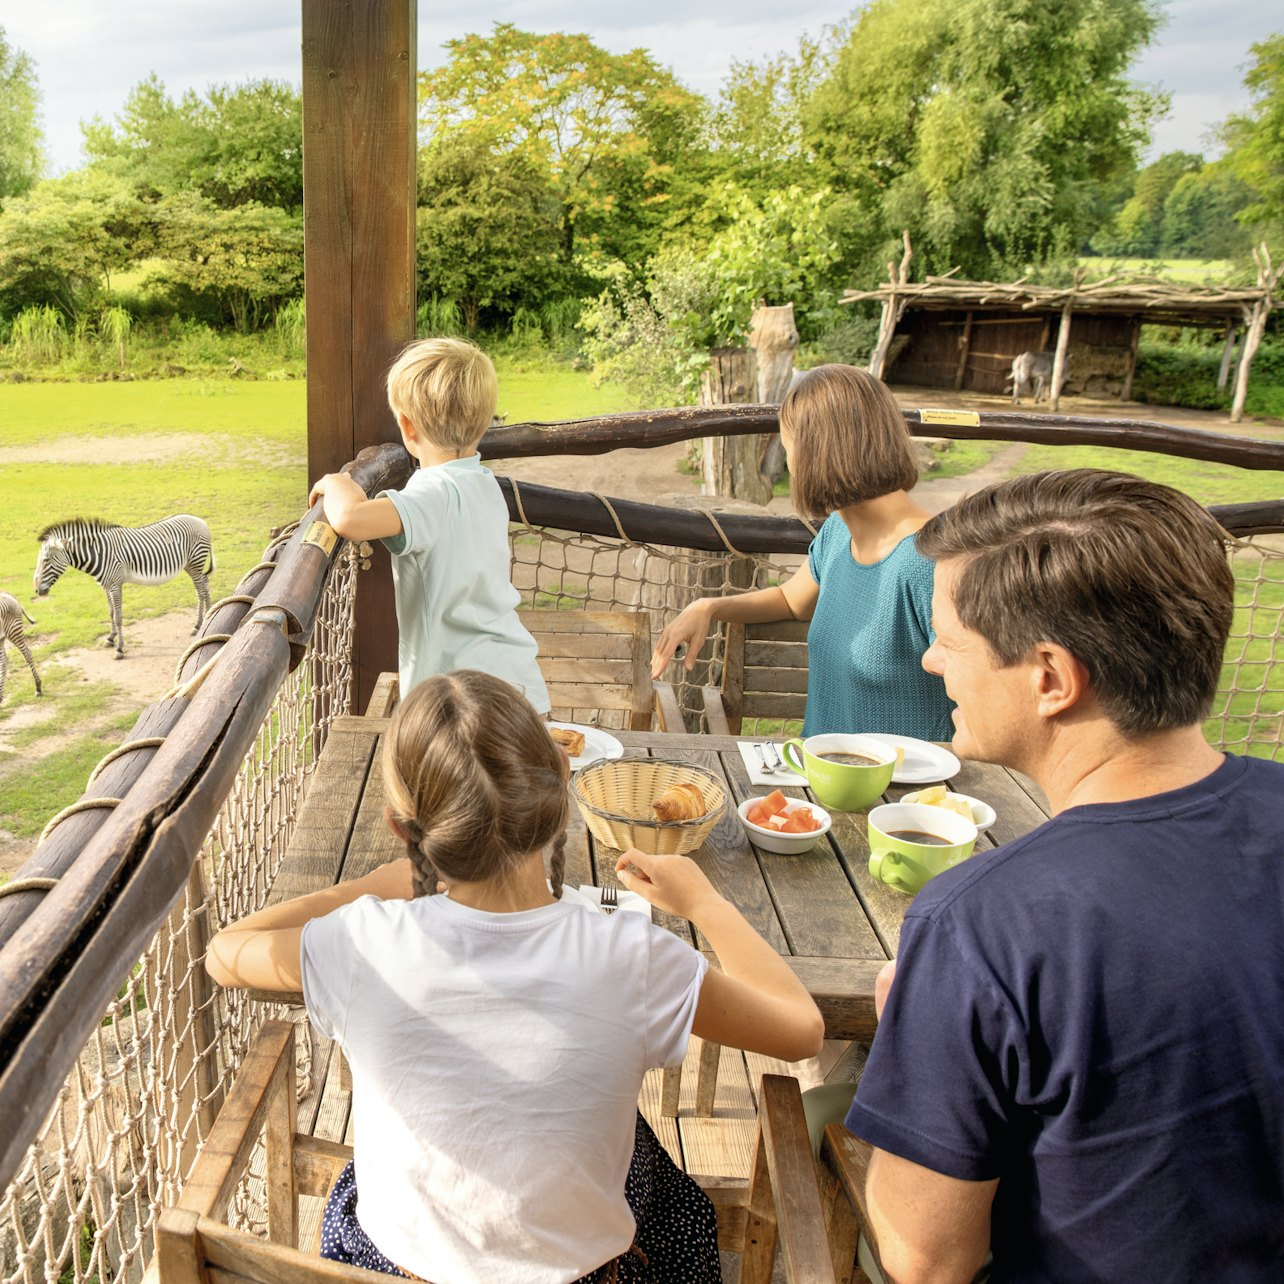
(610, 900)
(767, 768)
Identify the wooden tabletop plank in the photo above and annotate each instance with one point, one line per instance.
(811, 893)
(725, 856)
(315, 856)
(372, 842)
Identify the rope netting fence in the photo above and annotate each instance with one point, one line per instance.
(126, 1124)
(128, 1120)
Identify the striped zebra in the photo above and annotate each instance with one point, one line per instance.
(11, 617)
(116, 555)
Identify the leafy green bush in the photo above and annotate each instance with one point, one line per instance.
(1185, 374)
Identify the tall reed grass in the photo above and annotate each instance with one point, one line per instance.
(114, 328)
(436, 315)
(38, 334)
(291, 328)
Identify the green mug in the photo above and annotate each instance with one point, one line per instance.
(906, 865)
(842, 786)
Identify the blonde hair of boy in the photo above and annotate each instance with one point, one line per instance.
(448, 390)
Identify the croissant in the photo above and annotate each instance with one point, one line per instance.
(680, 802)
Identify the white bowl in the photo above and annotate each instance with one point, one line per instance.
(772, 840)
(983, 815)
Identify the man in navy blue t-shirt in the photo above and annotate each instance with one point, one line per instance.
(1080, 1061)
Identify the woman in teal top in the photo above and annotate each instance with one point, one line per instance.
(864, 587)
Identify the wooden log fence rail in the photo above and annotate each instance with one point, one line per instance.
(255, 693)
(642, 429)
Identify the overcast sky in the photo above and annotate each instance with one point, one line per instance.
(89, 53)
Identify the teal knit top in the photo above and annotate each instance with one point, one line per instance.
(866, 642)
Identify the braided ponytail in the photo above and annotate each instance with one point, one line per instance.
(557, 865)
(474, 781)
(423, 872)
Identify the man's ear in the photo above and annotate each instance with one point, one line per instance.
(1060, 680)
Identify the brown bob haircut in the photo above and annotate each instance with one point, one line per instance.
(1131, 577)
(849, 441)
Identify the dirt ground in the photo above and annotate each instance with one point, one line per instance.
(652, 476)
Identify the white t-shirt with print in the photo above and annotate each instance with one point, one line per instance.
(456, 605)
(496, 1064)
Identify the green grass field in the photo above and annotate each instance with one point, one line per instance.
(1198, 271)
(231, 452)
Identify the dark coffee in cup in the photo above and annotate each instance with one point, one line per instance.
(849, 759)
(919, 836)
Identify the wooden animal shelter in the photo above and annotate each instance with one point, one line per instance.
(944, 332)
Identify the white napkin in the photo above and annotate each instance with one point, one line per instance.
(591, 898)
(753, 765)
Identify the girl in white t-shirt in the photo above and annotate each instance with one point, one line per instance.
(498, 1034)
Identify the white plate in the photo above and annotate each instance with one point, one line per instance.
(597, 744)
(983, 815)
(924, 763)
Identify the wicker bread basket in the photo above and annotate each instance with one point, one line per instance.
(615, 798)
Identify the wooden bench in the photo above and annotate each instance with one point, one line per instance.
(597, 665)
(779, 1206)
(764, 678)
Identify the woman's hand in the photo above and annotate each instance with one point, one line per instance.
(688, 628)
(673, 884)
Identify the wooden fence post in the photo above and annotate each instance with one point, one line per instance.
(892, 309)
(1228, 352)
(773, 336)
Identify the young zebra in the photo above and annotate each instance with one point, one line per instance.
(116, 555)
(11, 617)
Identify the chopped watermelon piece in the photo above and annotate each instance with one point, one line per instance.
(798, 825)
(757, 814)
(775, 801)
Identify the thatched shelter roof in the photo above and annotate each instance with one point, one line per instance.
(1156, 301)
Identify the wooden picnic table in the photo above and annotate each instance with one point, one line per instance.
(836, 924)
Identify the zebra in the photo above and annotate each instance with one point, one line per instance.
(11, 617)
(116, 555)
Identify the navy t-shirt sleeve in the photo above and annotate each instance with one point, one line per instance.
(947, 1053)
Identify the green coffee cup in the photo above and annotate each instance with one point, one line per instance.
(840, 785)
(906, 865)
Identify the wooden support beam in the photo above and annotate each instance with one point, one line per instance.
(1134, 339)
(1228, 352)
(359, 254)
(1268, 278)
(1063, 345)
(965, 342)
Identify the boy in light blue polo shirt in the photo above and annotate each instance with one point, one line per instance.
(447, 530)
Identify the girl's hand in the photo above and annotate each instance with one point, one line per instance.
(674, 884)
(688, 628)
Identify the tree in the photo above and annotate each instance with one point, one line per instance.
(610, 129)
(61, 242)
(238, 144)
(1139, 226)
(1200, 215)
(1255, 140)
(987, 127)
(487, 232)
(757, 124)
(245, 262)
(21, 155)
